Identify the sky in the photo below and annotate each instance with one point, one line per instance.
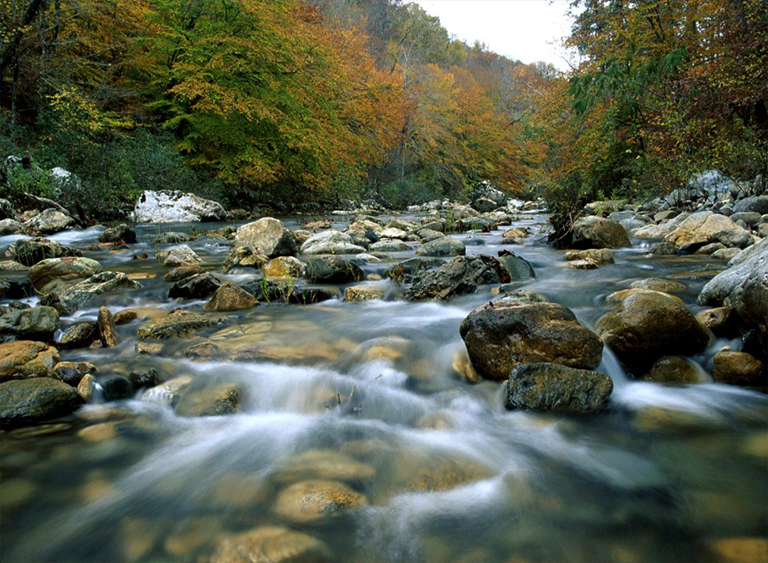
(525, 30)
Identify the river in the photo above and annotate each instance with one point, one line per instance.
(368, 394)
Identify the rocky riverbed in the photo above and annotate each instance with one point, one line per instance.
(435, 386)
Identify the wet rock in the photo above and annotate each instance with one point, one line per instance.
(87, 388)
(143, 378)
(445, 246)
(460, 276)
(72, 373)
(167, 393)
(326, 465)
(22, 359)
(662, 229)
(173, 237)
(12, 266)
(674, 369)
(726, 253)
(10, 227)
(517, 267)
(738, 368)
(740, 550)
(333, 269)
(331, 242)
(29, 401)
(125, 316)
(462, 366)
(245, 257)
(553, 387)
(181, 255)
(268, 236)
(34, 323)
(107, 331)
(198, 286)
(617, 297)
(597, 255)
(16, 289)
(316, 501)
(178, 324)
(721, 321)
(706, 227)
(183, 272)
(271, 544)
(120, 234)
(48, 222)
(31, 251)
(516, 233)
(365, 292)
(647, 325)
(502, 334)
(596, 232)
(585, 264)
(660, 284)
(210, 401)
(117, 388)
(80, 335)
(428, 235)
(229, 297)
(284, 267)
(743, 288)
(176, 207)
(82, 293)
(45, 272)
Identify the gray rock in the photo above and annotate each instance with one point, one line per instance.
(82, 293)
(706, 227)
(35, 323)
(389, 245)
(460, 276)
(28, 401)
(179, 324)
(10, 227)
(176, 207)
(596, 232)
(444, 246)
(756, 204)
(552, 387)
(518, 268)
(80, 335)
(49, 221)
(750, 218)
(331, 242)
(504, 333)
(173, 237)
(176, 256)
(245, 257)
(269, 236)
(68, 268)
(6, 210)
(31, 251)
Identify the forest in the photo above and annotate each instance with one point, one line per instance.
(269, 102)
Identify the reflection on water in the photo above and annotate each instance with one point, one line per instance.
(367, 397)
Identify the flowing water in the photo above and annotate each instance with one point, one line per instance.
(369, 394)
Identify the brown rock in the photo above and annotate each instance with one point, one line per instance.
(740, 550)
(660, 284)
(72, 372)
(229, 297)
(284, 267)
(504, 333)
(674, 369)
(125, 316)
(721, 321)
(107, 331)
(22, 359)
(738, 368)
(316, 502)
(598, 255)
(184, 271)
(271, 544)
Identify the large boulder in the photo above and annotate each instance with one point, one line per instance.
(710, 185)
(25, 358)
(47, 271)
(49, 221)
(756, 204)
(460, 276)
(597, 232)
(176, 207)
(268, 236)
(284, 267)
(333, 269)
(80, 294)
(443, 246)
(554, 387)
(29, 401)
(662, 229)
(31, 251)
(743, 288)
(331, 242)
(706, 227)
(502, 334)
(647, 325)
(35, 323)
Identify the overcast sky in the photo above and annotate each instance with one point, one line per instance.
(526, 30)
